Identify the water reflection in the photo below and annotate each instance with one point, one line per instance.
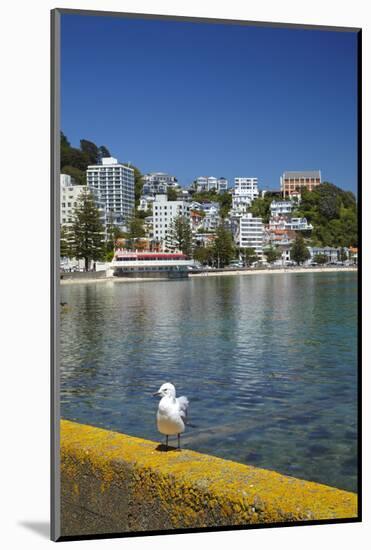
(268, 362)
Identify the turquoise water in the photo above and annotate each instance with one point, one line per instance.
(268, 363)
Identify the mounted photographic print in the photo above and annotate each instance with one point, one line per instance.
(206, 186)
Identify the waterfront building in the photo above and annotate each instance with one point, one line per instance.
(292, 182)
(332, 254)
(150, 264)
(158, 182)
(278, 208)
(281, 240)
(164, 212)
(114, 183)
(248, 233)
(210, 183)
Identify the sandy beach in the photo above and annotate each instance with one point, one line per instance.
(278, 271)
(212, 273)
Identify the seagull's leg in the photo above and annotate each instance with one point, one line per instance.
(178, 441)
(167, 439)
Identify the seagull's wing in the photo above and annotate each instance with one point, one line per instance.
(183, 405)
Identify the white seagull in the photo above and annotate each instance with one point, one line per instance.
(172, 412)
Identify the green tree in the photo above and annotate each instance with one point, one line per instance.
(136, 232)
(343, 256)
(320, 259)
(260, 207)
(333, 214)
(248, 255)
(74, 157)
(79, 159)
(179, 235)
(172, 194)
(203, 254)
(65, 249)
(299, 251)
(225, 202)
(87, 239)
(78, 176)
(90, 150)
(103, 152)
(113, 232)
(271, 254)
(223, 247)
(138, 183)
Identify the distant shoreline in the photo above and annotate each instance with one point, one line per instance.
(211, 273)
(275, 271)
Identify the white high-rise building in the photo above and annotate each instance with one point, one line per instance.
(164, 212)
(249, 233)
(245, 192)
(114, 184)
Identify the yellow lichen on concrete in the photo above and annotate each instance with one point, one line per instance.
(187, 489)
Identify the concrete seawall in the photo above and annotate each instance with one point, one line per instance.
(112, 482)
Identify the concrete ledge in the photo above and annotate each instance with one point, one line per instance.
(112, 482)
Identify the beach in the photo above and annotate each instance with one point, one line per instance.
(210, 273)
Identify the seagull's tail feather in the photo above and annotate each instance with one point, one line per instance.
(183, 405)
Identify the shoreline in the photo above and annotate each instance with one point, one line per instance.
(211, 273)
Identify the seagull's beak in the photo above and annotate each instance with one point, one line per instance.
(156, 394)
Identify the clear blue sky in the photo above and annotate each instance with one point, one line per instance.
(212, 99)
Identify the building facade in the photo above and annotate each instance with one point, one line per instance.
(294, 182)
(244, 193)
(210, 183)
(158, 182)
(114, 184)
(69, 198)
(164, 212)
(249, 233)
(287, 223)
(211, 219)
(279, 208)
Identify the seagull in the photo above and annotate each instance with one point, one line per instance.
(171, 413)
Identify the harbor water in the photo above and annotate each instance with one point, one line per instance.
(268, 362)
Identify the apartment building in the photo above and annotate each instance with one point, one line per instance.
(249, 233)
(244, 192)
(292, 182)
(114, 184)
(288, 223)
(164, 212)
(279, 208)
(210, 183)
(158, 182)
(69, 199)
